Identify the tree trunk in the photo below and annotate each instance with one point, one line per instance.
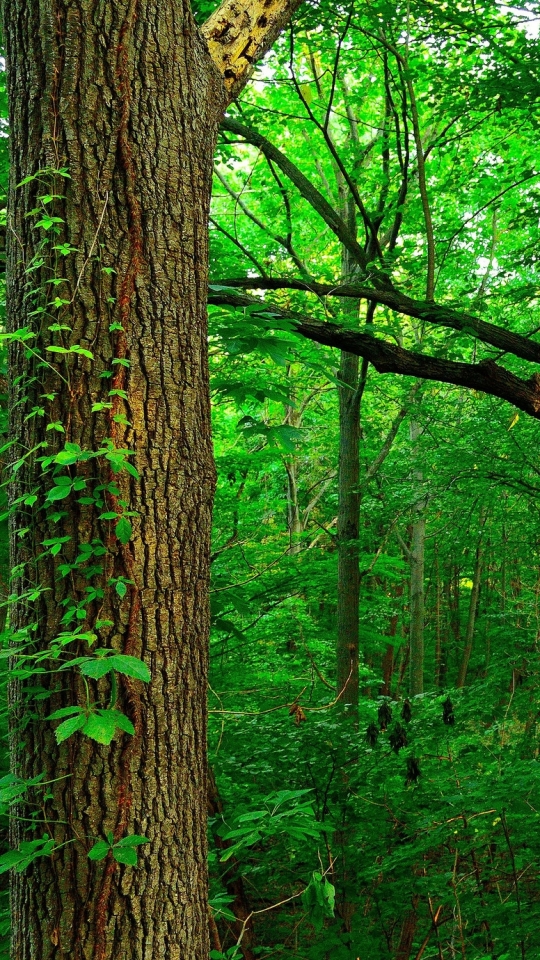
(348, 524)
(348, 531)
(417, 551)
(126, 97)
(473, 605)
(293, 418)
(388, 660)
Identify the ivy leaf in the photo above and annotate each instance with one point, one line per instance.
(99, 851)
(59, 493)
(135, 840)
(69, 727)
(129, 666)
(126, 855)
(101, 726)
(123, 722)
(64, 712)
(96, 668)
(124, 530)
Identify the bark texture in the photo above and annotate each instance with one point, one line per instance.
(127, 97)
(239, 34)
(473, 604)
(129, 101)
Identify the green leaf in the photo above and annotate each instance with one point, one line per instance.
(99, 851)
(127, 855)
(69, 727)
(96, 668)
(58, 493)
(101, 726)
(64, 712)
(135, 840)
(129, 666)
(124, 723)
(123, 530)
(81, 351)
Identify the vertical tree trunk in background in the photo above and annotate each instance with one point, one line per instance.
(348, 525)
(417, 550)
(473, 605)
(388, 660)
(128, 99)
(293, 418)
(438, 632)
(408, 931)
(348, 530)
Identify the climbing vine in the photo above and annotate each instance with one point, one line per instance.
(92, 576)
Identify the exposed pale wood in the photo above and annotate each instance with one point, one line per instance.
(239, 34)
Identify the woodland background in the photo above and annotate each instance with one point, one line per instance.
(398, 819)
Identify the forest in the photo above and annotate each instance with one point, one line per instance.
(370, 595)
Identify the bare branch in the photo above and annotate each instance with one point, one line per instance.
(301, 182)
(486, 376)
(438, 314)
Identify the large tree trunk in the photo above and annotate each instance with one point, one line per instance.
(126, 97)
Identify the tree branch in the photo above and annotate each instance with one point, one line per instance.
(486, 376)
(301, 182)
(514, 343)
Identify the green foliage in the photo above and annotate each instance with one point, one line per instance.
(318, 899)
(123, 851)
(427, 828)
(56, 469)
(281, 815)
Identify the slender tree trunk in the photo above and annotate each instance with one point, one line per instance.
(388, 660)
(126, 97)
(293, 418)
(473, 605)
(348, 524)
(408, 931)
(438, 632)
(417, 551)
(348, 531)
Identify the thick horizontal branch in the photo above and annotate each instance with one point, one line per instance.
(437, 314)
(487, 376)
(305, 187)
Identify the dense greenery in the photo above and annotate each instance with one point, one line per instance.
(406, 829)
(429, 829)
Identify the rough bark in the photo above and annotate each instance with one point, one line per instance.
(127, 97)
(239, 34)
